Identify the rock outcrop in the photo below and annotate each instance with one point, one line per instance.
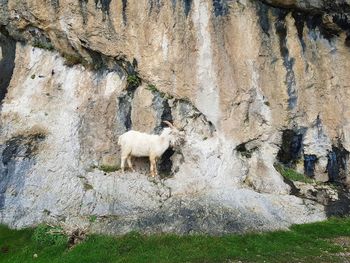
(251, 82)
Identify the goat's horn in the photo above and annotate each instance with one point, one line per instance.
(169, 124)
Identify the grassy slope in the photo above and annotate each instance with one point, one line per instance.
(304, 243)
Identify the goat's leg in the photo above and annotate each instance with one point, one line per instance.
(122, 163)
(130, 164)
(151, 162)
(155, 166)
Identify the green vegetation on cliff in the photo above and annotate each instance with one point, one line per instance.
(319, 242)
(292, 174)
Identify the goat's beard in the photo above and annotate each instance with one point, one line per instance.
(177, 143)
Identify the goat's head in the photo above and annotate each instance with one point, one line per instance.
(177, 137)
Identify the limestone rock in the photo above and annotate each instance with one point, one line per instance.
(250, 83)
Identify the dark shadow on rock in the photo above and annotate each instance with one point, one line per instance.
(17, 157)
(7, 63)
(291, 147)
(340, 207)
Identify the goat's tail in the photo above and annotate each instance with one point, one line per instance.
(120, 140)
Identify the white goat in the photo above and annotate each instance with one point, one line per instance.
(139, 144)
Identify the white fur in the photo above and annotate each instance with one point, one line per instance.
(139, 144)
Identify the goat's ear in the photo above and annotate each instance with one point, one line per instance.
(169, 124)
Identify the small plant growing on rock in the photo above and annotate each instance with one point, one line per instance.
(92, 218)
(153, 89)
(43, 45)
(109, 168)
(247, 153)
(133, 81)
(72, 59)
(88, 186)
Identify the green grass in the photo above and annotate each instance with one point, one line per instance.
(109, 168)
(45, 235)
(292, 174)
(303, 243)
(104, 168)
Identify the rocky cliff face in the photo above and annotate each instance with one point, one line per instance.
(252, 83)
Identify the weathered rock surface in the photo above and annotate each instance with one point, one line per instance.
(313, 5)
(251, 82)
